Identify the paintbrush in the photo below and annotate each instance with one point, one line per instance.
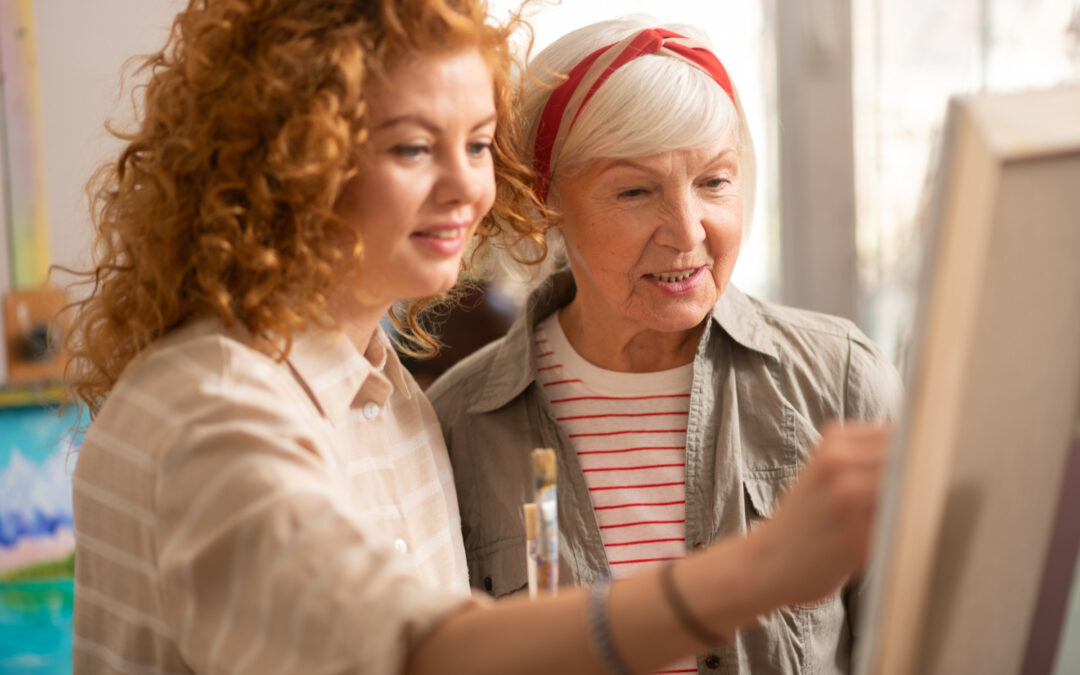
(532, 524)
(544, 474)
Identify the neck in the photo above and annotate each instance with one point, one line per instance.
(358, 321)
(627, 350)
(360, 332)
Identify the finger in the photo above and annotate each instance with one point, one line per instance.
(857, 426)
(863, 449)
(856, 433)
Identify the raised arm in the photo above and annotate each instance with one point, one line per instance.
(816, 541)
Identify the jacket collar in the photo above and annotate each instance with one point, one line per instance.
(741, 318)
(339, 377)
(513, 366)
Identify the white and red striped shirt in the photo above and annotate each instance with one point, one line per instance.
(629, 433)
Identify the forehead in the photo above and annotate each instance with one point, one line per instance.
(450, 84)
(722, 149)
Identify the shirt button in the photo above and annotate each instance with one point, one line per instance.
(712, 661)
(371, 410)
(401, 546)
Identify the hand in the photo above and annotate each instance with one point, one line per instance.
(820, 533)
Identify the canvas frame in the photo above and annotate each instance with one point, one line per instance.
(969, 514)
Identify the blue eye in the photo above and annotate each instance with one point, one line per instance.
(479, 148)
(410, 151)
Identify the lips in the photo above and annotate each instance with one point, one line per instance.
(447, 233)
(441, 232)
(674, 277)
(442, 240)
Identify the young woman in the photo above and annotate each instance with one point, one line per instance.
(263, 488)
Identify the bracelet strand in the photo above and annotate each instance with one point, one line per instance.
(600, 627)
(690, 623)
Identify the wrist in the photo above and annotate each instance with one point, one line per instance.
(732, 583)
(764, 573)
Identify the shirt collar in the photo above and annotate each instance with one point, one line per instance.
(741, 318)
(513, 366)
(510, 374)
(339, 377)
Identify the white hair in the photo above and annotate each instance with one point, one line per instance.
(653, 104)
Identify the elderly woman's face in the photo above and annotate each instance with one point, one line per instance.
(652, 241)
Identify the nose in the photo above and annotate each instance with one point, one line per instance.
(681, 227)
(460, 180)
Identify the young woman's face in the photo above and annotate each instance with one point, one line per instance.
(428, 178)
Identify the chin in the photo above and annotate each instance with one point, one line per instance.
(679, 323)
(684, 316)
(436, 285)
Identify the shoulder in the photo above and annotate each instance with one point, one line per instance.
(795, 330)
(210, 362)
(197, 376)
(454, 390)
(793, 322)
(823, 349)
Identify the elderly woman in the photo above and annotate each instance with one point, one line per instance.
(680, 409)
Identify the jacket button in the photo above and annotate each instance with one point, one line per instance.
(712, 661)
(487, 584)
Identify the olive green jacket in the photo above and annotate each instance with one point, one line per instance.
(765, 379)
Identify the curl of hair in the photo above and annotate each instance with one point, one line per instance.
(221, 203)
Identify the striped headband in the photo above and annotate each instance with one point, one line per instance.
(564, 105)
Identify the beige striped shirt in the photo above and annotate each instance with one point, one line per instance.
(234, 514)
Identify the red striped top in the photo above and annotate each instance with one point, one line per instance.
(629, 433)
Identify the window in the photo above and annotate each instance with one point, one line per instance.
(908, 59)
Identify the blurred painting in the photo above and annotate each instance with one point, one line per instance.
(37, 455)
(33, 335)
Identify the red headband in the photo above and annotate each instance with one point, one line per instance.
(565, 103)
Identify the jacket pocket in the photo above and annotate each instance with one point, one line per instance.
(499, 569)
(763, 494)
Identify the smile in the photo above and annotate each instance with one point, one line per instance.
(443, 240)
(448, 233)
(674, 277)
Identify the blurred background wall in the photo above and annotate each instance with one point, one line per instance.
(845, 100)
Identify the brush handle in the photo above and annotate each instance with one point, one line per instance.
(547, 540)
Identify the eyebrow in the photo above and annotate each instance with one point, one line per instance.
(622, 162)
(412, 118)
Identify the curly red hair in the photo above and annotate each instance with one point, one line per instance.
(222, 201)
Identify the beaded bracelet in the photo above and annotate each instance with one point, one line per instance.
(600, 628)
(678, 606)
